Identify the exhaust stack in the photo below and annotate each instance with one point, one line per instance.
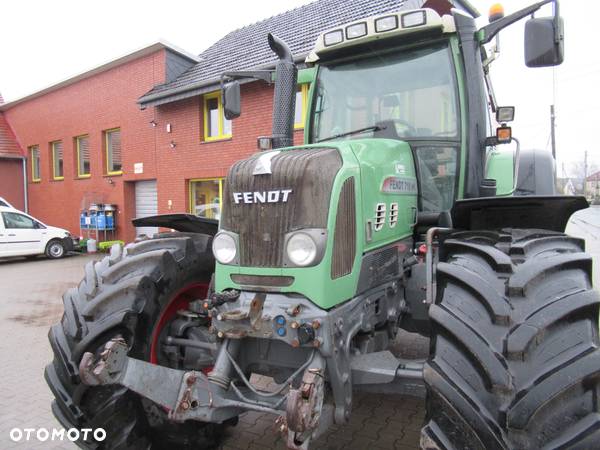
(284, 101)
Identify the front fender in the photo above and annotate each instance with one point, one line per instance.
(542, 212)
(180, 222)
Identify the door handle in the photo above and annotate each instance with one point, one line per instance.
(13, 235)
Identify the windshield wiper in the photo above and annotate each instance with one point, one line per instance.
(348, 133)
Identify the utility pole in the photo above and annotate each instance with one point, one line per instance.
(552, 131)
(585, 173)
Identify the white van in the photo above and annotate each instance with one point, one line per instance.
(23, 235)
(4, 202)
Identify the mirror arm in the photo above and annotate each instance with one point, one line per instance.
(265, 75)
(491, 92)
(488, 32)
(558, 32)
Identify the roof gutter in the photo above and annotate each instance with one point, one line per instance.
(145, 100)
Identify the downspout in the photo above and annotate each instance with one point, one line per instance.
(25, 193)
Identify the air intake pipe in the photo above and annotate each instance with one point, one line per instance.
(284, 102)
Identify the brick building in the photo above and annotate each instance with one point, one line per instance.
(81, 137)
(157, 114)
(13, 166)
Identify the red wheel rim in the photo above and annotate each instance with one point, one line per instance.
(180, 300)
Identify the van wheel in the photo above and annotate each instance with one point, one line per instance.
(55, 249)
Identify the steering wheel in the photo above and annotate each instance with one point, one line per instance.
(409, 129)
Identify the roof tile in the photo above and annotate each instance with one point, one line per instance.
(247, 47)
(9, 148)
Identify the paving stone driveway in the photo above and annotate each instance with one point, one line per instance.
(30, 301)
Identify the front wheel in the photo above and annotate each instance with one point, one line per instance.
(55, 249)
(515, 361)
(135, 293)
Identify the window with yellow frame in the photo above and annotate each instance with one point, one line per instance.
(34, 158)
(206, 196)
(301, 104)
(57, 160)
(112, 146)
(216, 126)
(82, 145)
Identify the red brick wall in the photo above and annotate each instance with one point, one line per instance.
(11, 182)
(108, 100)
(103, 101)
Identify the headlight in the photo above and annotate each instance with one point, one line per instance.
(224, 248)
(301, 249)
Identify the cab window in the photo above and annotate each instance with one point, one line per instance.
(437, 168)
(18, 221)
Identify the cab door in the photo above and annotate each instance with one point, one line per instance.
(22, 234)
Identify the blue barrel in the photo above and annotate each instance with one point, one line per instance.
(82, 218)
(100, 220)
(93, 218)
(110, 220)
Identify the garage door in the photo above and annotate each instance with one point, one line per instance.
(146, 204)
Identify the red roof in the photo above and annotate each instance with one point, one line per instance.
(593, 177)
(9, 148)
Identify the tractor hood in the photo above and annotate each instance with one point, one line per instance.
(345, 198)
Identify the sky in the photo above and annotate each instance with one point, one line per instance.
(43, 42)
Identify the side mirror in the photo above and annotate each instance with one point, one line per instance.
(544, 42)
(231, 100)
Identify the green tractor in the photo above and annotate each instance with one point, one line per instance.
(403, 209)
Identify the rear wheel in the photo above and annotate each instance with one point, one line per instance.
(515, 361)
(133, 293)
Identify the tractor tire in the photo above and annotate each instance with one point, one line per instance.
(514, 358)
(129, 294)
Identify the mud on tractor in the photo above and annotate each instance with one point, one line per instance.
(402, 210)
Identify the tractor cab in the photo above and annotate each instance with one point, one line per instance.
(410, 94)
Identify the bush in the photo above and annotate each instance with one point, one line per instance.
(106, 245)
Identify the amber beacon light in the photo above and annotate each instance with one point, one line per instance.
(496, 12)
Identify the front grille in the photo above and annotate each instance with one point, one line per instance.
(261, 227)
(344, 241)
(262, 280)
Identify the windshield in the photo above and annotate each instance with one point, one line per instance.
(404, 94)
